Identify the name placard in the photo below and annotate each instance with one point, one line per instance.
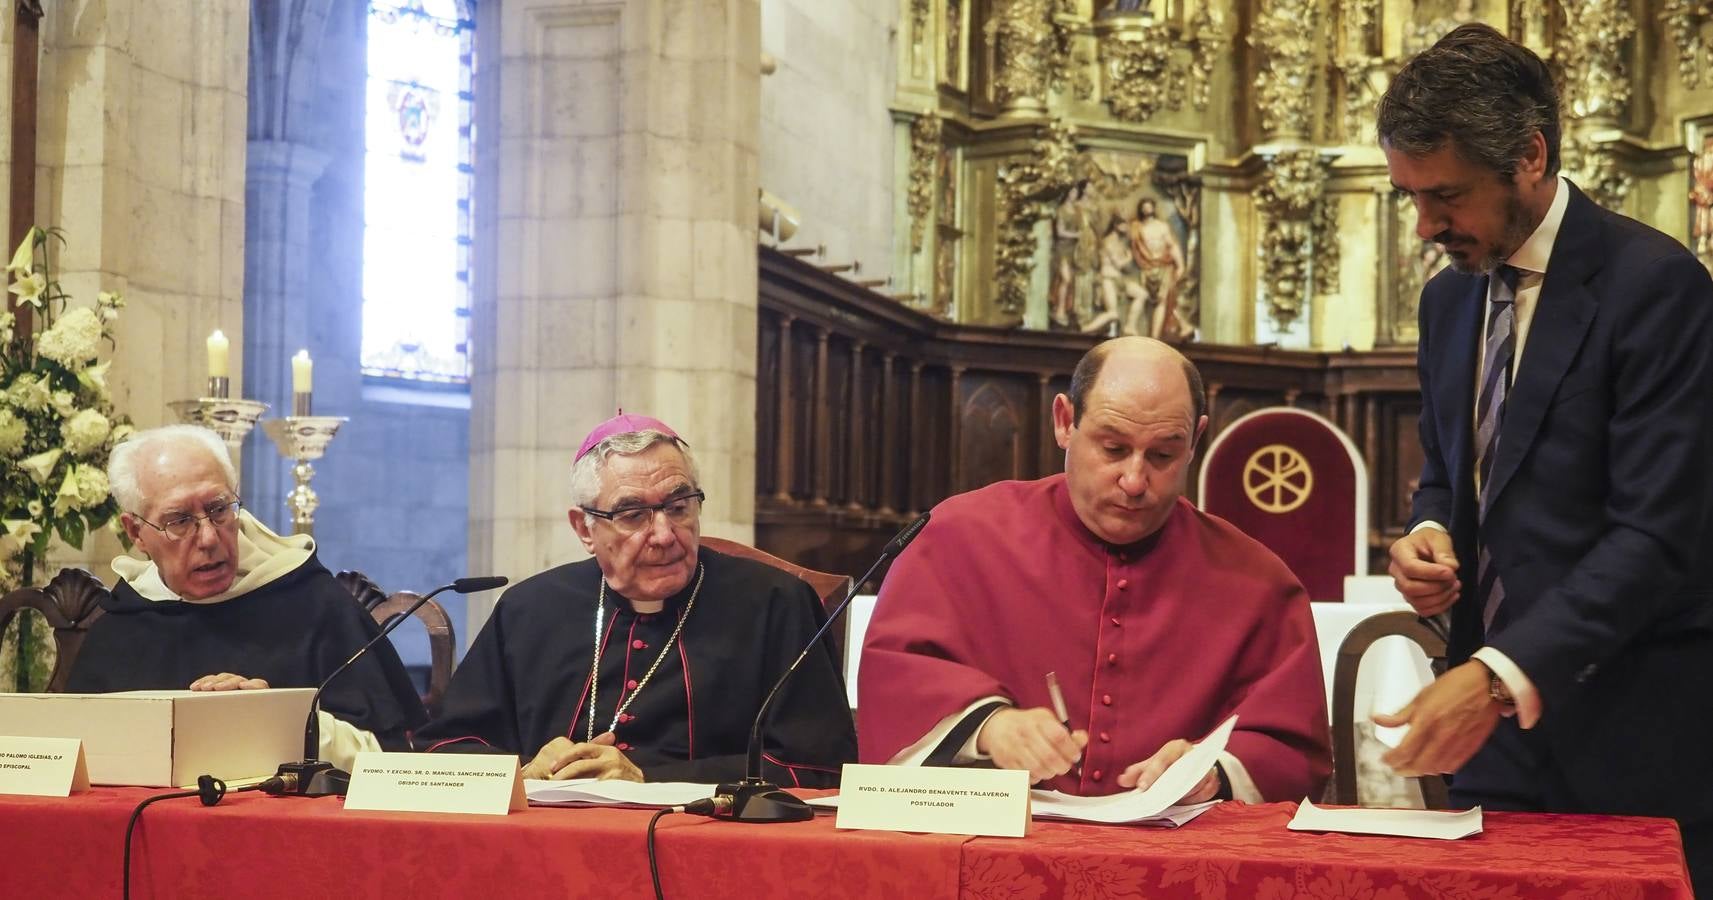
(934, 800)
(42, 767)
(436, 782)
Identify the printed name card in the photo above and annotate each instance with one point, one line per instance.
(42, 767)
(436, 782)
(933, 800)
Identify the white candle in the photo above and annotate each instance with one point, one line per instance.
(301, 368)
(218, 347)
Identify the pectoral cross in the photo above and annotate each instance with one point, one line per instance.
(26, 45)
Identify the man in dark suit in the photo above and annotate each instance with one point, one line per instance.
(1565, 509)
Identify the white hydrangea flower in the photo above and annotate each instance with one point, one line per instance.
(92, 487)
(72, 339)
(29, 393)
(85, 431)
(64, 402)
(13, 430)
(7, 321)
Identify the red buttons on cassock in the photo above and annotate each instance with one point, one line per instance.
(624, 746)
(1123, 583)
(626, 717)
(638, 645)
(1095, 774)
(1112, 659)
(630, 685)
(1116, 622)
(1105, 738)
(1106, 699)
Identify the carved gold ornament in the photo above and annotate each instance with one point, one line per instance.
(1277, 479)
(924, 156)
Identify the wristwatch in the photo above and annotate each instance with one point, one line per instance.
(1500, 694)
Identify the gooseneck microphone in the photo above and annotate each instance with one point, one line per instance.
(311, 777)
(754, 799)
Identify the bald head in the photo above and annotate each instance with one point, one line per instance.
(1143, 363)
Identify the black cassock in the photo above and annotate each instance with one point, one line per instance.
(292, 632)
(526, 679)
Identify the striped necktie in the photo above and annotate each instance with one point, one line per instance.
(1496, 365)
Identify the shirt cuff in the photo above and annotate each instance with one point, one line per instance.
(1523, 691)
(916, 754)
(1242, 786)
(341, 741)
(1429, 523)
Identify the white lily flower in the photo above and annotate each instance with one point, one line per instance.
(94, 378)
(21, 530)
(30, 288)
(41, 465)
(25, 254)
(66, 499)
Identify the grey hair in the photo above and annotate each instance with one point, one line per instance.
(128, 457)
(586, 472)
(1480, 91)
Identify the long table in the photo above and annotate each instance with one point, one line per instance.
(260, 847)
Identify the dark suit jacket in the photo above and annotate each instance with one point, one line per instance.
(1601, 516)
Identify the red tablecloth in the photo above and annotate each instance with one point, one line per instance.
(259, 847)
(253, 846)
(1235, 851)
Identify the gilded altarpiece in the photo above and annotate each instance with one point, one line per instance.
(1207, 169)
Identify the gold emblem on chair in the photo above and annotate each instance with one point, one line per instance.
(1277, 479)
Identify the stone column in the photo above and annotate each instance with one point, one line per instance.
(615, 255)
(277, 269)
(141, 161)
(286, 133)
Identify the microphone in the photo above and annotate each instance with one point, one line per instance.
(312, 777)
(754, 799)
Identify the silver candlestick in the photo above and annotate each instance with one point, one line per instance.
(229, 418)
(303, 438)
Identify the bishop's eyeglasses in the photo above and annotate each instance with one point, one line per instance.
(182, 525)
(680, 510)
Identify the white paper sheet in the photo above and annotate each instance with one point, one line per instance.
(633, 794)
(1416, 823)
(1172, 817)
(1156, 805)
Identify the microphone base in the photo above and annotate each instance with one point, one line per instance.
(308, 778)
(754, 800)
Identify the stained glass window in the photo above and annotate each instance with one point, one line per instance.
(416, 207)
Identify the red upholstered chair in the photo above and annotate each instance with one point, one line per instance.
(1293, 481)
(829, 586)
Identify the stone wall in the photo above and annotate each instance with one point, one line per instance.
(826, 134)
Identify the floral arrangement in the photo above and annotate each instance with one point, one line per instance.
(57, 423)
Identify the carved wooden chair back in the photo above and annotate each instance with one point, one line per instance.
(1350, 652)
(441, 640)
(71, 602)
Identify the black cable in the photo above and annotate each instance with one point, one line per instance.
(212, 790)
(653, 864)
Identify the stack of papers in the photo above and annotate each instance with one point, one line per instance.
(1154, 806)
(628, 794)
(1416, 823)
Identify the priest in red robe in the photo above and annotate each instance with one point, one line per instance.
(1159, 620)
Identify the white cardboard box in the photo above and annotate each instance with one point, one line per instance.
(168, 738)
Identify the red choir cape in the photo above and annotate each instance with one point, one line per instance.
(1158, 640)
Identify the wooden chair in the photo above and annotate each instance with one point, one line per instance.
(441, 638)
(71, 602)
(362, 587)
(830, 587)
(1350, 652)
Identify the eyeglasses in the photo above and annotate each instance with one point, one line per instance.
(183, 525)
(681, 510)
